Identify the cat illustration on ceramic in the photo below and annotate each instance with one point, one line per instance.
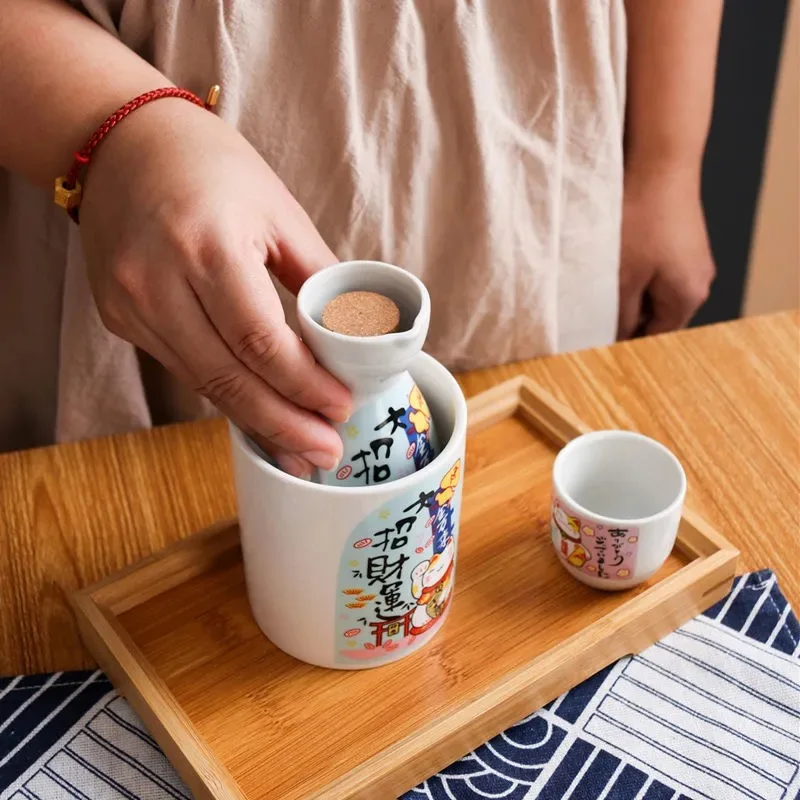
(417, 423)
(432, 579)
(431, 587)
(571, 547)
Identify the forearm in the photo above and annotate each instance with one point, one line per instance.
(672, 54)
(62, 76)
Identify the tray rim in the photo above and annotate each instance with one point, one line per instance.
(711, 568)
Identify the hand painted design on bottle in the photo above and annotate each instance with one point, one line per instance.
(401, 442)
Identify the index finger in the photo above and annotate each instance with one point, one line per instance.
(244, 307)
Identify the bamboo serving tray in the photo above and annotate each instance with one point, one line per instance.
(239, 719)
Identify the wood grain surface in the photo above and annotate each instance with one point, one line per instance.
(176, 634)
(725, 398)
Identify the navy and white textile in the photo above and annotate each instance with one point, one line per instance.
(712, 711)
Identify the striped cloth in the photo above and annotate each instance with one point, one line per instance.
(711, 711)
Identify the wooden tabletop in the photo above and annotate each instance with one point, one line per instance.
(725, 398)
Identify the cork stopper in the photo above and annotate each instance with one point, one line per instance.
(361, 314)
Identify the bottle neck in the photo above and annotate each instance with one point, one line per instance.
(364, 388)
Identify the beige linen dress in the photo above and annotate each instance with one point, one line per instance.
(478, 143)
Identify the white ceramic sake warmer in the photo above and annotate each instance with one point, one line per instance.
(352, 577)
(391, 433)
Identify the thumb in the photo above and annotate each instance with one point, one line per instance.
(630, 311)
(668, 309)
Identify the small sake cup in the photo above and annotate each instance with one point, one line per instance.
(616, 506)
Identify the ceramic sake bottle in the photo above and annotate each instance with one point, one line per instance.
(390, 433)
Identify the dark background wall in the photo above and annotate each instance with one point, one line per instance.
(749, 55)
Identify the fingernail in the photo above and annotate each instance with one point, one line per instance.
(321, 459)
(336, 413)
(294, 465)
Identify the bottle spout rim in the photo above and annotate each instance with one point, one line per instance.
(401, 286)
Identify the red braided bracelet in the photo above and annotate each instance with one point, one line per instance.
(68, 190)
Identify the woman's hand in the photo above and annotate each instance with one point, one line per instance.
(666, 266)
(180, 216)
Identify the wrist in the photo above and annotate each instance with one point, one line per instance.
(142, 132)
(666, 174)
(118, 127)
